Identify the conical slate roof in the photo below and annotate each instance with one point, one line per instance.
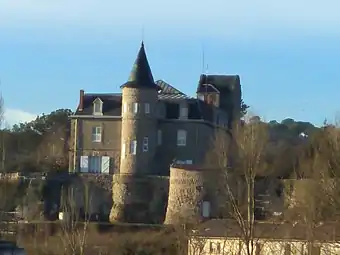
(141, 75)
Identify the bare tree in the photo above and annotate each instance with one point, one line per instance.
(76, 210)
(241, 155)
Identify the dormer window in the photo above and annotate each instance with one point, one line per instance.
(97, 106)
(183, 112)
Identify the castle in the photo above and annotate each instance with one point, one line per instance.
(137, 135)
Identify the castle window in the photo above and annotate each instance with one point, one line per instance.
(206, 209)
(218, 248)
(181, 138)
(145, 144)
(184, 112)
(211, 248)
(135, 107)
(172, 111)
(123, 150)
(147, 108)
(159, 137)
(97, 106)
(133, 147)
(124, 107)
(97, 134)
(200, 97)
(288, 249)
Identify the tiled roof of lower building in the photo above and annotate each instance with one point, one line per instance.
(268, 230)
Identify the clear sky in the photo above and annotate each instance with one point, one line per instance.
(287, 53)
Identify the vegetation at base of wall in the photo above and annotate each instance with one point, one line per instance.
(104, 239)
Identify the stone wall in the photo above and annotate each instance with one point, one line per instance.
(138, 199)
(189, 187)
(92, 193)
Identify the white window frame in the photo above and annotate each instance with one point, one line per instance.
(135, 108)
(181, 137)
(147, 108)
(124, 107)
(97, 134)
(98, 103)
(159, 136)
(123, 150)
(133, 147)
(145, 144)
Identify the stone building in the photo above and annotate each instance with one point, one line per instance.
(137, 134)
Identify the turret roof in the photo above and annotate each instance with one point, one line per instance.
(141, 75)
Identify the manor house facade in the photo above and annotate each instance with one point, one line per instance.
(151, 124)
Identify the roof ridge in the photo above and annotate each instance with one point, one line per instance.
(103, 94)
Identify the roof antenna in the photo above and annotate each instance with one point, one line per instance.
(203, 59)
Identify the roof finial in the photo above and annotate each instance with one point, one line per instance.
(143, 36)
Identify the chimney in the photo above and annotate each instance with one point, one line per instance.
(81, 100)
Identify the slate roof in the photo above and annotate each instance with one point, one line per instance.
(268, 230)
(112, 102)
(169, 92)
(141, 75)
(220, 83)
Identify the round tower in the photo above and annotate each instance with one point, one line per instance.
(139, 123)
(195, 194)
(138, 144)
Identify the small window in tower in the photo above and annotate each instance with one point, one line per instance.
(133, 147)
(159, 137)
(145, 144)
(147, 108)
(181, 138)
(124, 107)
(123, 150)
(135, 107)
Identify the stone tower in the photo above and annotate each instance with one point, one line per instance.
(139, 123)
(132, 191)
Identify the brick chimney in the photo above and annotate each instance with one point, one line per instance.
(81, 100)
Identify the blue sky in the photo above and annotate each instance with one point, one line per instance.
(287, 54)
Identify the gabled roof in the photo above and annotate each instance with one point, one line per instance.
(112, 104)
(141, 75)
(218, 82)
